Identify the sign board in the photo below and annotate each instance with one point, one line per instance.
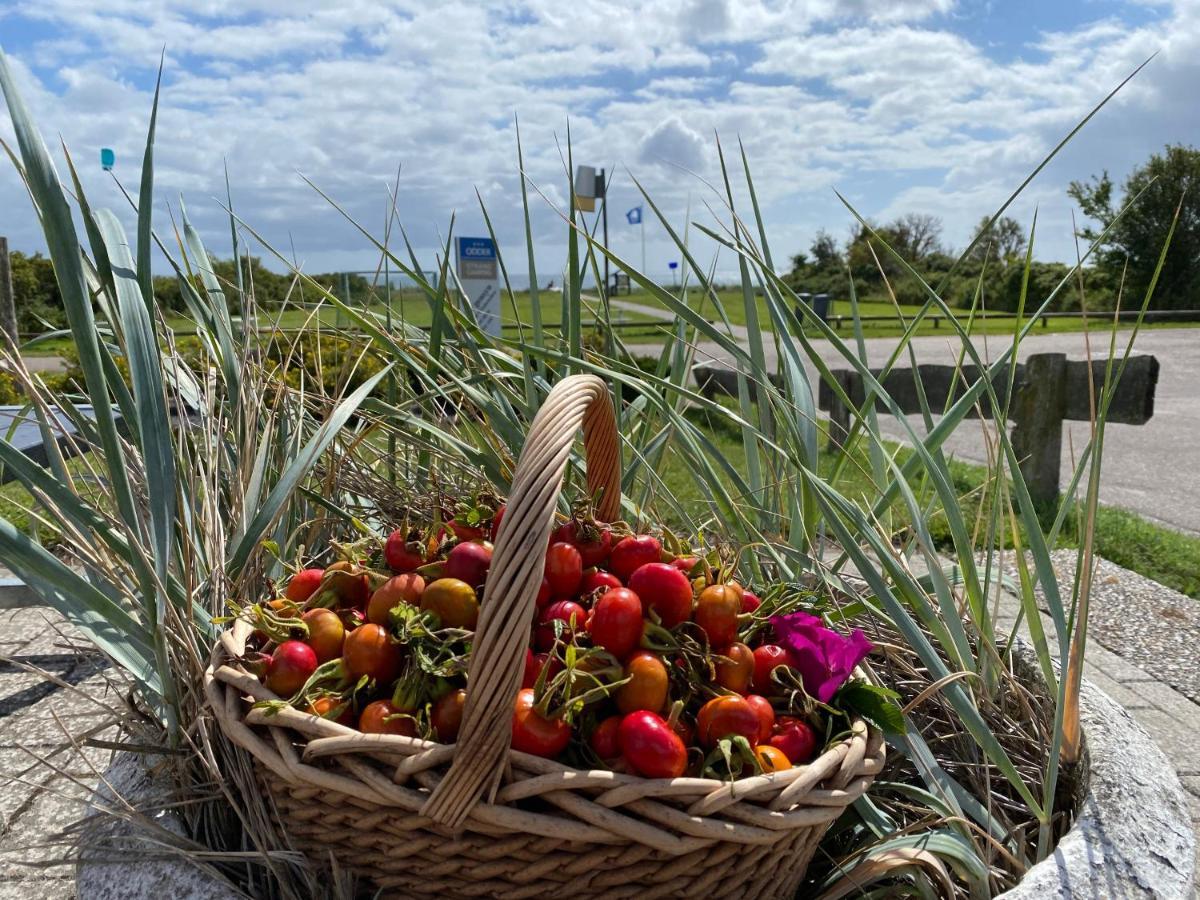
(585, 188)
(478, 271)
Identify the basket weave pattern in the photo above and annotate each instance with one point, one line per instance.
(479, 819)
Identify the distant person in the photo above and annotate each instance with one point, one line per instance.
(550, 285)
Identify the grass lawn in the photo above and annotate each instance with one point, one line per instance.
(735, 309)
(1169, 557)
(408, 307)
(412, 308)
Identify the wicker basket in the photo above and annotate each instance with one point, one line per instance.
(478, 819)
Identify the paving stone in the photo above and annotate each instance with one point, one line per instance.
(36, 630)
(1121, 693)
(34, 711)
(21, 780)
(1114, 665)
(35, 835)
(1177, 739)
(1164, 697)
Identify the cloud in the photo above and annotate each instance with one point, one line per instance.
(899, 106)
(673, 143)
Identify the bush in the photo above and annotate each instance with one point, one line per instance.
(336, 363)
(10, 394)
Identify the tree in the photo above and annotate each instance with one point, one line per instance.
(270, 288)
(824, 272)
(35, 293)
(825, 251)
(1129, 253)
(1003, 243)
(917, 235)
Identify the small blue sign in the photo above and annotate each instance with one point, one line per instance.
(108, 159)
(634, 216)
(476, 248)
(672, 265)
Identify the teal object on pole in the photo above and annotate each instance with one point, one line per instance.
(107, 158)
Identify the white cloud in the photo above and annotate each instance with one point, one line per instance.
(884, 101)
(673, 143)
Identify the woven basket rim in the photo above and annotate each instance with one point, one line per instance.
(738, 811)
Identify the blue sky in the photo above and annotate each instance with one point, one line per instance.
(929, 106)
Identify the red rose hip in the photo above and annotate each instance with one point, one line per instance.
(631, 553)
(665, 590)
(616, 622)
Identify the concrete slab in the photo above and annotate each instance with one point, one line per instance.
(1166, 699)
(1123, 694)
(34, 843)
(1177, 739)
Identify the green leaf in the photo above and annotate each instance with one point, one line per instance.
(874, 703)
(63, 244)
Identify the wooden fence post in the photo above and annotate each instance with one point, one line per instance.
(1038, 411)
(8, 309)
(839, 413)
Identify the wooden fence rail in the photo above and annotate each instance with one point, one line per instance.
(1049, 389)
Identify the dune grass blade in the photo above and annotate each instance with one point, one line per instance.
(153, 423)
(296, 470)
(145, 277)
(1072, 733)
(67, 255)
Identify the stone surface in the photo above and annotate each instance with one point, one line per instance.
(1132, 837)
(131, 863)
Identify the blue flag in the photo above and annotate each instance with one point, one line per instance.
(634, 216)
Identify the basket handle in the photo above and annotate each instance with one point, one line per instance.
(498, 652)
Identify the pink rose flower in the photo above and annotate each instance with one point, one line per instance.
(824, 658)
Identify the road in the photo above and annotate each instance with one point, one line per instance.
(1152, 469)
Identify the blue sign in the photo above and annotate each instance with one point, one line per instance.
(634, 216)
(672, 265)
(476, 248)
(107, 158)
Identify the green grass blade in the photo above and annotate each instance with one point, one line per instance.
(145, 244)
(297, 470)
(153, 425)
